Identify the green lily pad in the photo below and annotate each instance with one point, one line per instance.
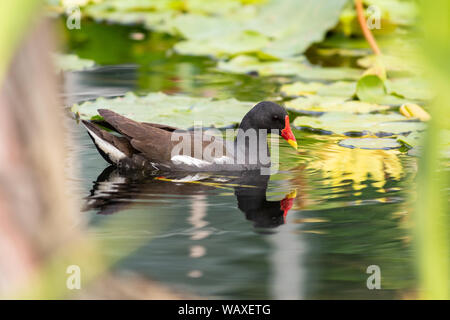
(393, 64)
(319, 104)
(250, 64)
(71, 62)
(370, 88)
(353, 124)
(297, 67)
(412, 140)
(178, 111)
(280, 20)
(370, 143)
(234, 43)
(338, 89)
(223, 28)
(330, 73)
(410, 88)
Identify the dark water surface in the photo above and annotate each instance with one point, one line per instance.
(216, 239)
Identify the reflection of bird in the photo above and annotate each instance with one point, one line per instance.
(116, 189)
(151, 146)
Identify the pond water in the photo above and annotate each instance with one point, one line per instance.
(214, 239)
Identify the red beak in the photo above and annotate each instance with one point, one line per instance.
(287, 134)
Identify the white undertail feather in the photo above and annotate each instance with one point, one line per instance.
(113, 153)
(190, 161)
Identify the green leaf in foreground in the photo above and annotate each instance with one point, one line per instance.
(319, 104)
(71, 62)
(177, 111)
(370, 143)
(364, 124)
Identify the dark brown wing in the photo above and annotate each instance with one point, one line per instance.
(155, 143)
(155, 140)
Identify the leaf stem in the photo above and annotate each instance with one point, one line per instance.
(367, 33)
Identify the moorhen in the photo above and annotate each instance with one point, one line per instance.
(149, 146)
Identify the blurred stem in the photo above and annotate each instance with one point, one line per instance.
(432, 210)
(431, 215)
(14, 17)
(362, 22)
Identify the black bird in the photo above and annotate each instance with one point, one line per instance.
(142, 145)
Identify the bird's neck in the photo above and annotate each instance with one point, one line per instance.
(252, 142)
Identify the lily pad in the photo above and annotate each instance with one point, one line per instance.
(318, 104)
(330, 73)
(280, 20)
(71, 62)
(234, 43)
(297, 67)
(178, 111)
(353, 124)
(371, 88)
(394, 64)
(220, 28)
(410, 88)
(338, 89)
(370, 143)
(412, 140)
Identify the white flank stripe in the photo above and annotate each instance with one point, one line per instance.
(190, 161)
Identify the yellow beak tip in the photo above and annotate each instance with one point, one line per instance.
(292, 194)
(293, 143)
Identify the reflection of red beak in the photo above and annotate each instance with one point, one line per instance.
(287, 202)
(287, 134)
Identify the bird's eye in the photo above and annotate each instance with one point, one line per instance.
(275, 117)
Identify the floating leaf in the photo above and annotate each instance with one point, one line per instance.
(280, 20)
(234, 43)
(393, 64)
(344, 123)
(411, 110)
(338, 89)
(410, 88)
(412, 140)
(223, 26)
(370, 88)
(330, 73)
(319, 104)
(370, 143)
(71, 62)
(247, 64)
(177, 111)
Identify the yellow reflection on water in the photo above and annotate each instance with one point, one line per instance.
(338, 164)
